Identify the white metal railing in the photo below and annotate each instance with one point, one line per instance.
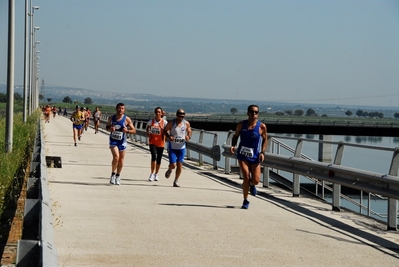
(386, 185)
(199, 147)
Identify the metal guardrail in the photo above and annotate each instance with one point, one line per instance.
(37, 248)
(383, 184)
(209, 151)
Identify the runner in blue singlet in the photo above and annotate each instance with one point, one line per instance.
(253, 143)
(119, 125)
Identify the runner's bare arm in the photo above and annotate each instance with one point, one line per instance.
(166, 130)
(264, 136)
(108, 126)
(188, 130)
(235, 137)
(263, 132)
(131, 129)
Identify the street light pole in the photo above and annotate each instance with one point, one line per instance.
(36, 72)
(34, 69)
(10, 76)
(26, 59)
(32, 44)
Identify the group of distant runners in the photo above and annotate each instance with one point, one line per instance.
(81, 119)
(177, 132)
(48, 110)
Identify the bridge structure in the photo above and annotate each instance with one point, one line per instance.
(142, 223)
(296, 126)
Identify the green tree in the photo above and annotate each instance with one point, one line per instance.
(348, 113)
(49, 100)
(18, 97)
(279, 113)
(376, 114)
(233, 111)
(396, 115)
(359, 113)
(67, 99)
(289, 112)
(3, 98)
(299, 112)
(41, 96)
(310, 112)
(88, 101)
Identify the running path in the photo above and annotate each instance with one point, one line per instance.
(143, 223)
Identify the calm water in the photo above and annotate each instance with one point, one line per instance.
(360, 158)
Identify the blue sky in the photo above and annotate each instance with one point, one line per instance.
(311, 51)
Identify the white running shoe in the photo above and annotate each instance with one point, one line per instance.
(156, 177)
(112, 181)
(118, 180)
(151, 178)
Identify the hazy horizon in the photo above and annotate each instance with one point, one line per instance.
(190, 99)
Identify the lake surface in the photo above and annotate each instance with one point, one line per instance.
(360, 158)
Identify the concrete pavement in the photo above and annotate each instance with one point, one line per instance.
(142, 223)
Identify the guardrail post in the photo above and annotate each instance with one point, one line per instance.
(393, 203)
(296, 179)
(275, 146)
(139, 126)
(133, 137)
(325, 149)
(215, 142)
(188, 151)
(266, 173)
(200, 140)
(336, 197)
(324, 155)
(227, 167)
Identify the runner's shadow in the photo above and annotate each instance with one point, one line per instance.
(199, 206)
(77, 183)
(333, 224)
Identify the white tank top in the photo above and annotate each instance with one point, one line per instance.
(179, 133)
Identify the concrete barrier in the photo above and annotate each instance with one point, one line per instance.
(36, 248)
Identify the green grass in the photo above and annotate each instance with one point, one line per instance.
(13, 164)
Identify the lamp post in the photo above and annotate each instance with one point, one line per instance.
(37, 79)
(33, 69)
(36, 75)
(10, 77)
(31, 56)
(26, 59)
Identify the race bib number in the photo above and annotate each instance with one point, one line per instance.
(179, 139)
(155, 130)
(117, 135)
(247, 152)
